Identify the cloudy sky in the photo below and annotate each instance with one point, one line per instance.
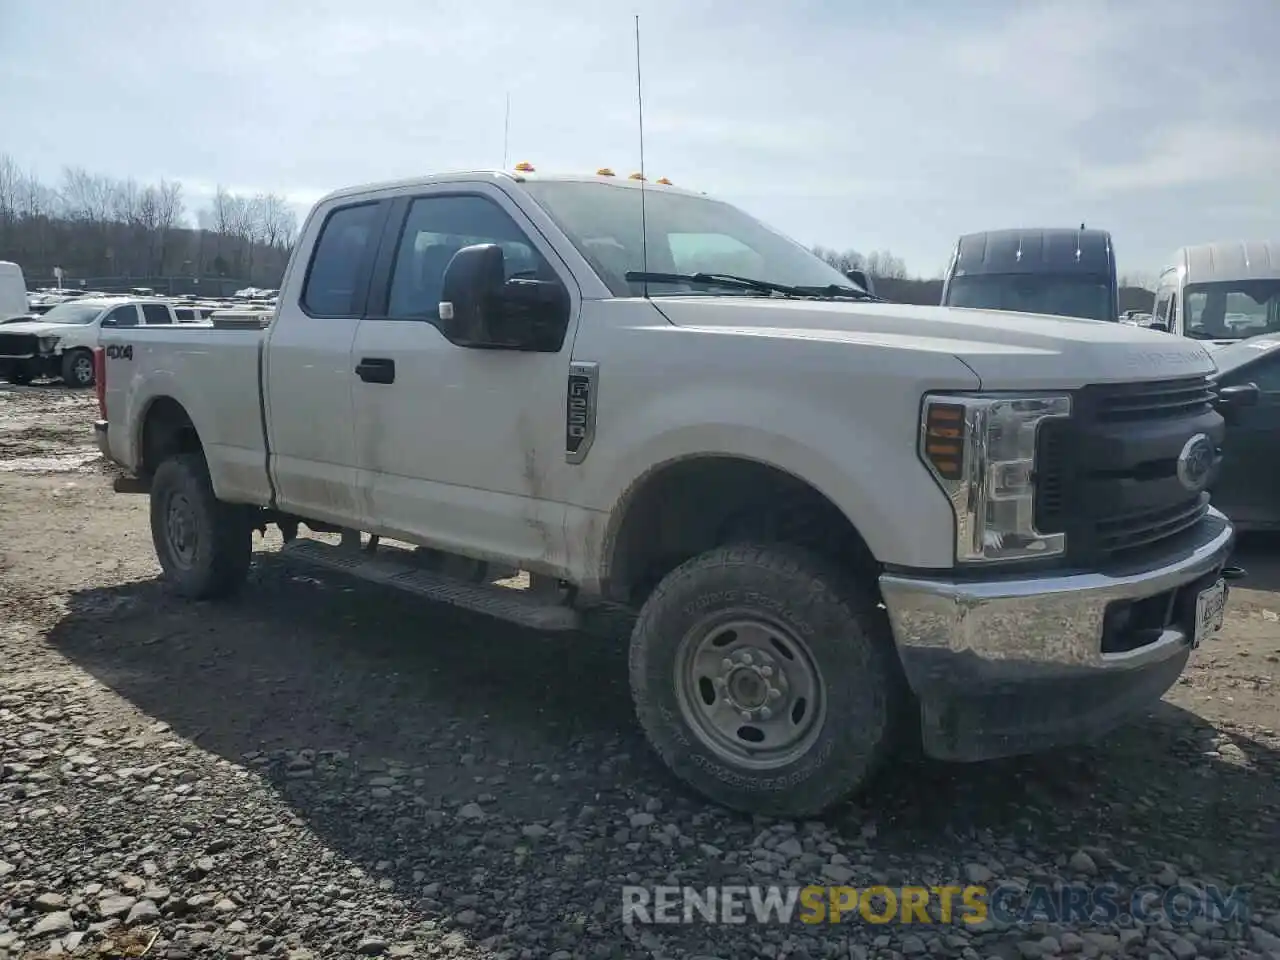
(875, 126)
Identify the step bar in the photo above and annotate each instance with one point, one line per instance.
(381, 566)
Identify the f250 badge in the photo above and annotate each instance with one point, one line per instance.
(580, 410)
(117, 352)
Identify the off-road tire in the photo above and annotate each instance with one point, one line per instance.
(223, 534)
(848, 637)
(75, 373)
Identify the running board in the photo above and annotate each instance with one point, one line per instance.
(504, 603)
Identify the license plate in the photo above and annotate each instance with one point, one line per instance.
(1211, 604)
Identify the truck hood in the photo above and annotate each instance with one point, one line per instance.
(1005, 350)
(40, 329)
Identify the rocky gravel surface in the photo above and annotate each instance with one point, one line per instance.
(325, 769)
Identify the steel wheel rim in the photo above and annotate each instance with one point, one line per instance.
(181, 530)
(750, 690)
(82, 368)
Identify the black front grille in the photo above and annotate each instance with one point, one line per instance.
(1133, 531)
(1107, 477)
(1154, 400)
(18, 344)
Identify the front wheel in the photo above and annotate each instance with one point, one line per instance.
(204, 545)
(765, 680)
(77, 368)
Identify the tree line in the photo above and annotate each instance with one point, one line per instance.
(880, 264)
(93, 226)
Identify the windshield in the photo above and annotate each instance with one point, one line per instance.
(1059, 296)
(1232, 310)
(686, 235)
(72, 313)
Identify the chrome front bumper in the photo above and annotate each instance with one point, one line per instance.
(978, 653)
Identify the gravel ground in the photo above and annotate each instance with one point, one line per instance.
(322, 768)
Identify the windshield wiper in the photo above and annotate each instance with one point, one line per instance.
(716, 280)
(838, 290)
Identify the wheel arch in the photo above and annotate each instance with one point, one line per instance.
(693, 503)
(165, 428)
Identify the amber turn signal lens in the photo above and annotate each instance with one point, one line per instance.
(944, 439)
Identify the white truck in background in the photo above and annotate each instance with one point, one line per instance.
(13, 292)
(843, 522)
(60, 342)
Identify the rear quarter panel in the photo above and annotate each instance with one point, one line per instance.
(213, 374)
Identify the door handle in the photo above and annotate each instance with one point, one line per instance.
(376, 370)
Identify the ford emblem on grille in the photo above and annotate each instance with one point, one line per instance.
(1195, 462)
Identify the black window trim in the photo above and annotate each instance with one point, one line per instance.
(360, 291)
(379, 293)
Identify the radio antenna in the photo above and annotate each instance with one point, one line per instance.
(506, 131)
(644, 224)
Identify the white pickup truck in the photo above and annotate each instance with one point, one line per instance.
(848, 526)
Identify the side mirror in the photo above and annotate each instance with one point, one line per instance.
(469, 294)
(1238, 396)
(480, 308)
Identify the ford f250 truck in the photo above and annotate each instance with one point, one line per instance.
(849, 527)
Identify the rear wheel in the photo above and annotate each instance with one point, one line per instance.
(77, 368)
(765, 679)
(204, 545)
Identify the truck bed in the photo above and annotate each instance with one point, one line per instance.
(213, 370)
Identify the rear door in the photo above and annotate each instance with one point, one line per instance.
(309, 372)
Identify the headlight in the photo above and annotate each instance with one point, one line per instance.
(981, 449)
(47, 344)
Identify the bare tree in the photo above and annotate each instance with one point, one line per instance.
(10, 188)
(168, 214)
(278, 220)
(883, 264)
(86, 197)
(842, 260)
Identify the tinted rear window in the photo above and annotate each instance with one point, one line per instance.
(344, 240)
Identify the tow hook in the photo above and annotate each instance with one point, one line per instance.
(1234, 573)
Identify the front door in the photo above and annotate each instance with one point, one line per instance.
(1248, 486)
(460, 447)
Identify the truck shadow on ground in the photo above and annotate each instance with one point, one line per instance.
(1259, 554)
(311, 661)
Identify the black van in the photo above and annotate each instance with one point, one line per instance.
(1064, 272)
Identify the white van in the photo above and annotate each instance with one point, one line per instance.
(13, 292)
(1221, 292)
